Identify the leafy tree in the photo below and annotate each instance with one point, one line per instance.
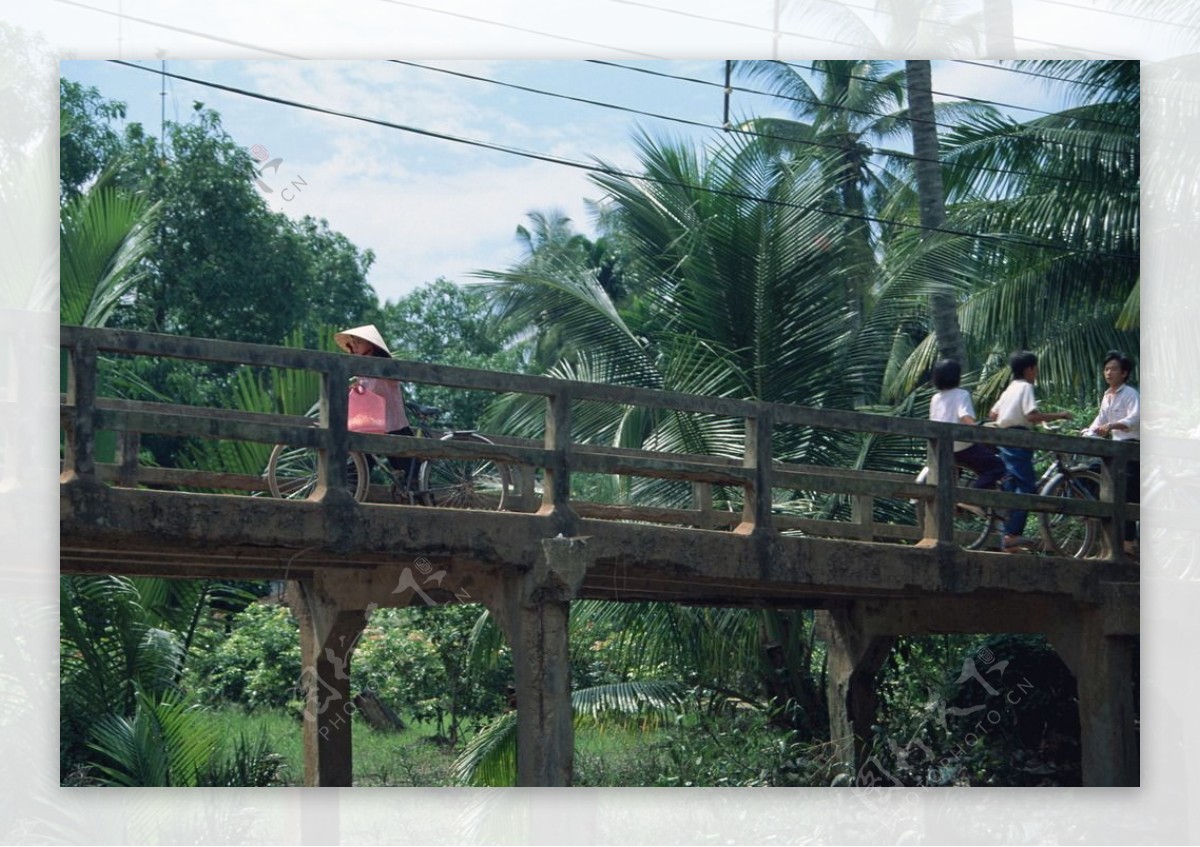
(87, 142)
(448, 324)
(256, 665)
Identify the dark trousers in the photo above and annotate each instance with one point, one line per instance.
(405, 466)
(984, 461)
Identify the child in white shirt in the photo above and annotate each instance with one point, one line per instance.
(952, 404)
(1017, 409)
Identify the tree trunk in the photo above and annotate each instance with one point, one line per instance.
(932, 201)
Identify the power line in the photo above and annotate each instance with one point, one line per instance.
(1114, 13)
(843, 5)
(834, 106)
(610, 171)
(515, 28)
(172, 28)
(881, 11)
(814, 69)
(740, 24)
(1024, 72)
(894, 154)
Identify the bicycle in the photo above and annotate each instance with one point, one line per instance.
(1073, 536)
(291, 472)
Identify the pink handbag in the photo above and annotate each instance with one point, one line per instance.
(368, 411)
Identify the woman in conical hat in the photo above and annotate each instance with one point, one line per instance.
(367, 341)
(351, 340)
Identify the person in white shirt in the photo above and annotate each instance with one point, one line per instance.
(1120, 413)
(1017, 409)
(952, 404)
(1120, 418)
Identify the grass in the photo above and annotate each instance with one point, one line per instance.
(409, 757)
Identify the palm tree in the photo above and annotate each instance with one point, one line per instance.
(854, 104)
(736, 279)
(928, 172)
(105, 234)
(1055, 202)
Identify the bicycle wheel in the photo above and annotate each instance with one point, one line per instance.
(292, 473)
(464, 483)
(1071, 535)
(973, 525)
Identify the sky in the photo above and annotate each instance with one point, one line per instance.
(431, 207)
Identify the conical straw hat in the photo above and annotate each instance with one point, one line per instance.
(367, 333)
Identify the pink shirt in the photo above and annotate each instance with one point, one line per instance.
(393, 398)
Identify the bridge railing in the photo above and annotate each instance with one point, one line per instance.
(757, 473)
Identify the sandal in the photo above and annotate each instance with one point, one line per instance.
(1018, 544)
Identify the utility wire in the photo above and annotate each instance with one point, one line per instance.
(893, 154)
(843, 5)
(1130, 15)
(599, 168)
(475, 19)
(198, 34)
(1024, 72)
(814, 69)
(833, 106)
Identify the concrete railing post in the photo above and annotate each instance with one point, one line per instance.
(939, 515)
(556, 497)
(1113, 474)
(335, 410)
(80, 458)
(756, 512)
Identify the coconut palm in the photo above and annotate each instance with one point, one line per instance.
(105, 234)
(1054, 201)
(736, 277)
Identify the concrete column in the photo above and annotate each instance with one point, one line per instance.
(1102, 662)
(533, 610)
(854, 658)
(328, 635)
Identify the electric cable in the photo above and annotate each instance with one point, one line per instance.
(894, 154)
(610, 171)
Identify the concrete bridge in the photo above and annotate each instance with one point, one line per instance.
(869, 580)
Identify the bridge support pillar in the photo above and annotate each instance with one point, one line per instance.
(1103, 664)
(328, 634)
(533, 610)
(855, 657)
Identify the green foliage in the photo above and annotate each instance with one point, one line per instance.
(965, 710)
(255, 665)
(400, 663)
(86, 140)
(125, 717)
(168, 743)
(104, 239)
(417, 660)
(448, 324)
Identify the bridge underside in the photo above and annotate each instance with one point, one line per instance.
(346, 558)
